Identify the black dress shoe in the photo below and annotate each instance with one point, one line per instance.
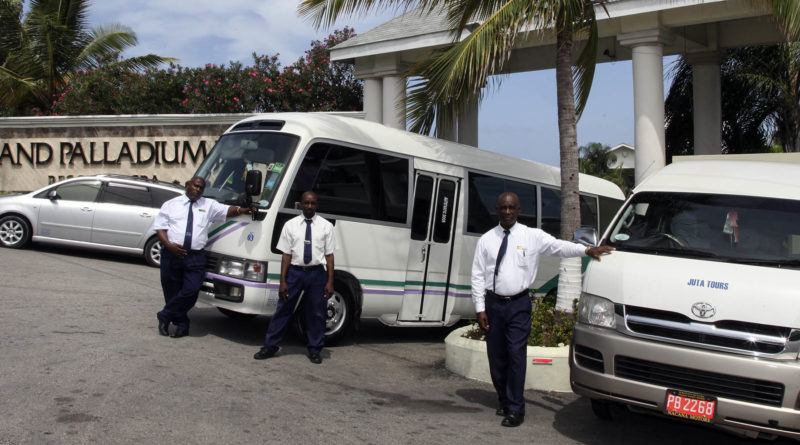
(502, 411)
(266, 352)
(513, 419)
(180, 333)
(315, 358)
(163, 327)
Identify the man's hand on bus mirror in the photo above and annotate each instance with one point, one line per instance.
(328, 290)
(596, 252)
(283, 291)
(483, 320)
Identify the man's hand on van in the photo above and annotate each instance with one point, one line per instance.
(483, 320)
(596, 252)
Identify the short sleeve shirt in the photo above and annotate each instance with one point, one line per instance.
(293, 235)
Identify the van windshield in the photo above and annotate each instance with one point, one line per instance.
(745, 229)
(237, 153)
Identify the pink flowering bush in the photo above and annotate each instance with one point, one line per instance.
(312, 83)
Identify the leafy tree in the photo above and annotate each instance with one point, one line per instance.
(453, 79)
(594, 160)
(44, 50)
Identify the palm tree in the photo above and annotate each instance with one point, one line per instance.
(453, 79)
(41, 52)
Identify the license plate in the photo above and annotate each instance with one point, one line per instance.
(691, 406)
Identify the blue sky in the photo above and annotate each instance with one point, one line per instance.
(518, 118)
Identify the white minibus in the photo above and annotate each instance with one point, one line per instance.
(696, 315)
(407, 210)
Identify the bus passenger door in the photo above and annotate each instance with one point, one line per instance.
(430, 254)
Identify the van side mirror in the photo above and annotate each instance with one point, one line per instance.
(252, 183)
(586, 236)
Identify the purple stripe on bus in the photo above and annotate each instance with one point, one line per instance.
(242, 282)
(225, 233)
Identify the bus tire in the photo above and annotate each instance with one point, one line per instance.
(235, 315)
(338, 316)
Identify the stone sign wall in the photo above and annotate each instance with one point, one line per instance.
(35, 152)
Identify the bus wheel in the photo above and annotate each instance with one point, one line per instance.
(236, 315)
(338, 316)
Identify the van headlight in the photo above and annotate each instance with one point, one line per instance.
(596, 311)
(246, 270)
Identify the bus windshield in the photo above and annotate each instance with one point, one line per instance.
(237, 153)
(739, 229)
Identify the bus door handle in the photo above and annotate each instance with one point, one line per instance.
(423, 253)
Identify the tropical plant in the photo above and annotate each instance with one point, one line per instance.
(594, 160)
(453, 80)
(42, 51)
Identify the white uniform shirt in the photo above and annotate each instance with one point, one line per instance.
(293, 237)
(173, 214)
(520, 263)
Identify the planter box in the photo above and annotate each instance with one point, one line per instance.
(547, 370)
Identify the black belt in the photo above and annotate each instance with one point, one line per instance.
(505, 298)
(307, 268)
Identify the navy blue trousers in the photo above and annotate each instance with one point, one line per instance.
(310, 283)
(181, 279)
(506, 346)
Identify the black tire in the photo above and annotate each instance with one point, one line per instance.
(602, 409)
(339, 315)
(15, 231)
(152, 252)
(236, 315)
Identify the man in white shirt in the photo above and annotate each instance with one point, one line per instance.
(307, 242)
(504, 268)
(182, 227)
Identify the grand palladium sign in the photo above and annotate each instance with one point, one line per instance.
(35, 152)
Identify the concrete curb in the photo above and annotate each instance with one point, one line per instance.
(547, 370)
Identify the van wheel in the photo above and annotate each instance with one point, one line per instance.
(338, 316)
(602, 409)
(236, 315)
(15, 231)
(152, 252)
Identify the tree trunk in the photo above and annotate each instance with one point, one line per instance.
(569, 281)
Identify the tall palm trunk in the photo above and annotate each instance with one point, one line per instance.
(569, 281)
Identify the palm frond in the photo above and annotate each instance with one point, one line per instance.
(323, 13)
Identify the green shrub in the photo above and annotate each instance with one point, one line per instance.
(549, 327)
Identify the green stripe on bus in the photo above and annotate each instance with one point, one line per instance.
(221, 228)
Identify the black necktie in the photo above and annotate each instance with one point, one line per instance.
(307, 248)
(187, 239)
(500, 254)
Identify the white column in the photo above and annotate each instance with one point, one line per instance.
(468, 126)
(394, 91)
(707, 103)
(648, 99)
(373, 99)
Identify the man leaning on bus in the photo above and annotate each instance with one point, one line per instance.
(503, 270)
(307, 242)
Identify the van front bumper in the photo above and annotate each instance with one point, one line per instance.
(598, 356)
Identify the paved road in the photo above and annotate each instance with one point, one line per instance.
(81, 362)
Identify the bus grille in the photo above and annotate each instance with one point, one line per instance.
(211, 262)
(703, 382)
(726, 334)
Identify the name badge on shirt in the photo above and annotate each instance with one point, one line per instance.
(201, 210)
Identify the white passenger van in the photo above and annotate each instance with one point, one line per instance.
(696, 315)
(407, 210)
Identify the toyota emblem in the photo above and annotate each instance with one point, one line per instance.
(703, 310)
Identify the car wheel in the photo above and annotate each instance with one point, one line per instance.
(236, 315)
(338, 315)
(152, 252)
(15, 231)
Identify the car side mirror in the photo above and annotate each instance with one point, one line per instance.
(252, 183)
(586, 236)
(53, 195)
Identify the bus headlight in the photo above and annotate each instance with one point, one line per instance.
(246, 270)
(596, 311)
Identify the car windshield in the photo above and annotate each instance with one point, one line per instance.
(235, 154)
(740, 229)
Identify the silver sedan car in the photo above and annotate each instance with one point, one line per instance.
(108, 212)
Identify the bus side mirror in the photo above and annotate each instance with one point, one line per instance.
(586, 236)
(252, 183)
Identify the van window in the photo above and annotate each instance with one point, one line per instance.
(756, 230)
(483, 193)
(551, 211)
(352, 182)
